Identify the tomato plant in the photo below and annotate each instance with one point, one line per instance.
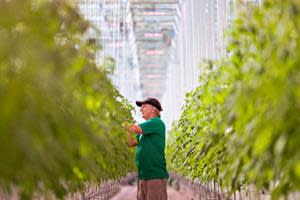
(241, 125)
(60, 119)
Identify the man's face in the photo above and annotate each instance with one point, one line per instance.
(147, 110)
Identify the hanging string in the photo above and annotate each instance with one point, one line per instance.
(124, 40)
(118, 72)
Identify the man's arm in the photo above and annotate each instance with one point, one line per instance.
(134, 129)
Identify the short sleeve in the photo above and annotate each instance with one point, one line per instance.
(137, 136)
(150, 127)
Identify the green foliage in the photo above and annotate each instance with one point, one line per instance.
(60, 119)
(196, 135)
(241, 125)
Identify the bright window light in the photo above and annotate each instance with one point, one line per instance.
(154, 52)
(152, 35)
(154, 13)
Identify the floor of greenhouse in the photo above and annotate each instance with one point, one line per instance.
(129, 193)
(179, 188)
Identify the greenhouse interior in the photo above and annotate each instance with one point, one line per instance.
(150, 99)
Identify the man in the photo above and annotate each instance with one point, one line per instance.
(150, 152)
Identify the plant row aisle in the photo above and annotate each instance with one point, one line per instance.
(60, 119)
(241, 126)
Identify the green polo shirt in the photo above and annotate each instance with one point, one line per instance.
(150, 152)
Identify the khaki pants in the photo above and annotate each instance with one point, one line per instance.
(155, 189)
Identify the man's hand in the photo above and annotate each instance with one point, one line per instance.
(132, 142)
(131, 128)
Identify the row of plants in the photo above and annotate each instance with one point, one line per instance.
(241, 126)
(60, 119)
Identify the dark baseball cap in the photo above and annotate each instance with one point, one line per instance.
(150, 100)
